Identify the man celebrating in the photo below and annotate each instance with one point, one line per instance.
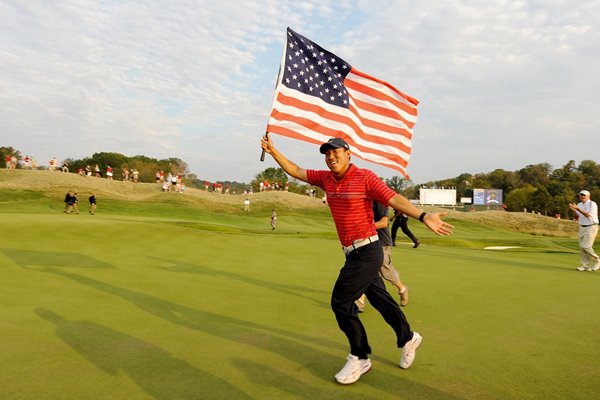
(350, 192)
(587, 215)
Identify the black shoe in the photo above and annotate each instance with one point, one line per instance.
(417, 243)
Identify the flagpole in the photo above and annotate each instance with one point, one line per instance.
(279, 75)
(262, 156)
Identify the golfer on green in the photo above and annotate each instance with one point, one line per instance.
(350, 193)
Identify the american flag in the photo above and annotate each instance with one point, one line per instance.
(319, 96)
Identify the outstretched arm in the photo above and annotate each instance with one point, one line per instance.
(289, 167)
(432, 220)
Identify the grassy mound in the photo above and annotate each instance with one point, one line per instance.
(38, 185)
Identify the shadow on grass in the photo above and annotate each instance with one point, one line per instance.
(31, 258)
(293, 346)
(293, 290)
(150, 367)
(285, 343)
(398, 388)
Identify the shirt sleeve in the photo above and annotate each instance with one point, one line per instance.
(316, 178)
(378, 189)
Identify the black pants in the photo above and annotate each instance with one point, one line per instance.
(360, 274)
(402, 223)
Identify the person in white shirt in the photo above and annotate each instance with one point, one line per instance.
(587, 215)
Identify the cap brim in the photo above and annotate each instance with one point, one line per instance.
(326, 146)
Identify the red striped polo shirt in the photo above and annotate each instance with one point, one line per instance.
(351, 200)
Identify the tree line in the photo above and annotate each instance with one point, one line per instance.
(537, 187)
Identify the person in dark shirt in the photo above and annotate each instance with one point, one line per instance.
(69, 201)
(400, 220)
(92, 199)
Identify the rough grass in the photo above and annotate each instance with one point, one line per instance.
(25, 185)
(18, 184)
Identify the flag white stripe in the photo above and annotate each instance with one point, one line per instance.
(339, 111)
(384, 104)
(380, 88)
(341, 127)
(365, 155)
(394, 123)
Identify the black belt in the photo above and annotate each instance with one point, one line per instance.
(585, 226)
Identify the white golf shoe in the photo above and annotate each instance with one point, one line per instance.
(353, 369)
(409, 350)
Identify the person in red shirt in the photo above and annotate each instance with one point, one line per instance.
(350, 192)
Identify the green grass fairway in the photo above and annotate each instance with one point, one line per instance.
(165, 300)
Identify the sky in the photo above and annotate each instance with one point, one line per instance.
(501, 84)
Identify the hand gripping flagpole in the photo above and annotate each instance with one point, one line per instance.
(262, 156)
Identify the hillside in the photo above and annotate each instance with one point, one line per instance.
(56, 184)
(521, 222)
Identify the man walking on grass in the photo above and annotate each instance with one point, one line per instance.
(587, 215)
(350, 192)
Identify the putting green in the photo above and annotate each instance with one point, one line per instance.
(160, 301)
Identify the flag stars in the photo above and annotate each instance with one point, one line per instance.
(324, 81)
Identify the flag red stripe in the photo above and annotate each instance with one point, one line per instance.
(292, 134)
(313, 126)
(386, 112)
(378, 95)
(408, 98)
(379, 126)
(295, 102)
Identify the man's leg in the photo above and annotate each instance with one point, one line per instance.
(383, 302)
(395, 226)
(406, 231)
(589, 258)
(390, 274)
(360, 270)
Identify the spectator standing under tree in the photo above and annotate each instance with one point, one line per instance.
(587, 216)
(350, 192)
(400, 220)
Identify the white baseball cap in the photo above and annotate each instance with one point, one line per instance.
(585, 193)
